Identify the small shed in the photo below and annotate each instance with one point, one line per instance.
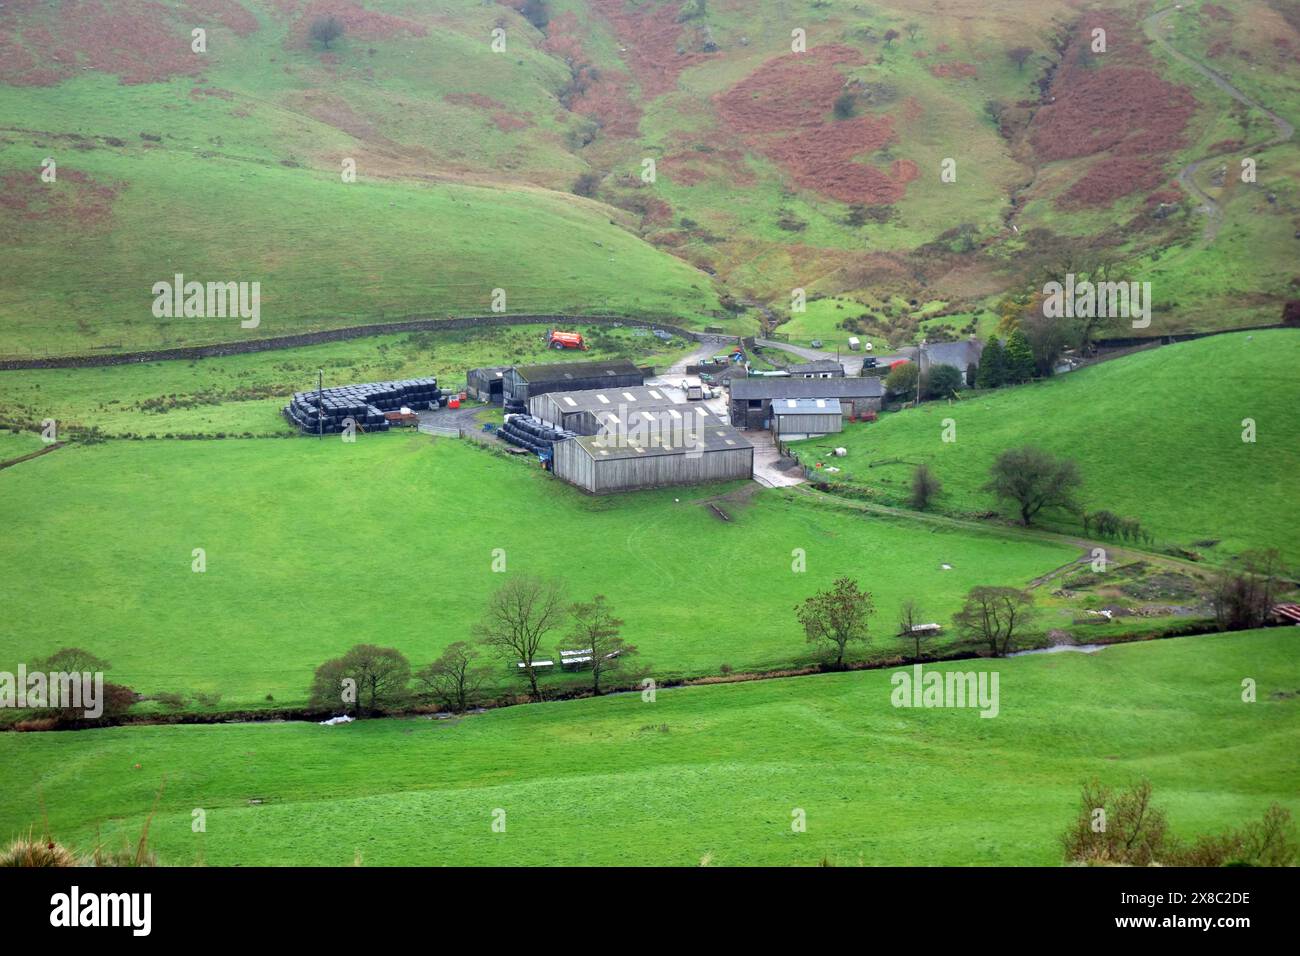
(794, 418)
(487, 384)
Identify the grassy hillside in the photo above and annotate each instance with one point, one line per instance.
(314, 546)
(225, 165)
(702, 774)
(1157, 435)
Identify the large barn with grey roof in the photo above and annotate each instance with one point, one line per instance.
(753, 398)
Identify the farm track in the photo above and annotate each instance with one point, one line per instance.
(1114, 553)
(35, 454)
(1187, 175)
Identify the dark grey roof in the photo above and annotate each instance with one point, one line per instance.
(957, 354)
(751, 388)
(818, 365)
(571, 371)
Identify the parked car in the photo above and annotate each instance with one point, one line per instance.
(816, 343)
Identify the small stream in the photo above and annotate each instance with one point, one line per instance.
(1061, 648)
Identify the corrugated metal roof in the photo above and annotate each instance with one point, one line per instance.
(778, 388)
(713, 437)
(807, 406)
(571, 371)
(632, 396)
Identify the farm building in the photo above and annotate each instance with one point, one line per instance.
(821, 368)
(528, 381)
(960, 355)
(601, 466)
(794, 418)
(487, 384)
(683, 425)
(583, 411)
(751, 399)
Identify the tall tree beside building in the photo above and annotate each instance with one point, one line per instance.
(992, 372)
(1019, 358)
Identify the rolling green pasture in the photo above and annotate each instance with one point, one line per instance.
(821, 320)
(1157, 435)
(327, 254)
(313, 546)
(700, 774)
(243, 394)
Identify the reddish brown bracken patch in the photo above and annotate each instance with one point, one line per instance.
(74, 200)
(476, 100)
(959, 71)
(1114, 107)
(602, 95)
(652, 36)
(783, 110)
(358, 23)
(138, 41)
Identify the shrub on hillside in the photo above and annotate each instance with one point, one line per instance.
(943, 381)
(925, 487)
(30, 852)
(1124, 828)
(325, 30)
(901, 379)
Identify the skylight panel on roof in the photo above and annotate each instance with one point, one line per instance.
(654, 394)
(602, 399)
(570, 401)
(629, 396)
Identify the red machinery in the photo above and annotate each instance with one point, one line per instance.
(556, 339)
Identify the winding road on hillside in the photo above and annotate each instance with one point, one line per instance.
(1187, 175)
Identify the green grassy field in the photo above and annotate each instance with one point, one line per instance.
(701, 774)
(314, 546)
(1157, 435)
(243, 394)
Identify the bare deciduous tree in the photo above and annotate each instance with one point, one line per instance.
(452, 680)
(1244, 598)
(995, 617)
(1018, 55)
(909, 616)
(925, 487)
(380, 677)
(519, 616)
(596, 627)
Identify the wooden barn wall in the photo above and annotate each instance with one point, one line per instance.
(655, 471)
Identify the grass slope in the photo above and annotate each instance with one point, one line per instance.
(1158, 435)
(701, 773)
(314, 546)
